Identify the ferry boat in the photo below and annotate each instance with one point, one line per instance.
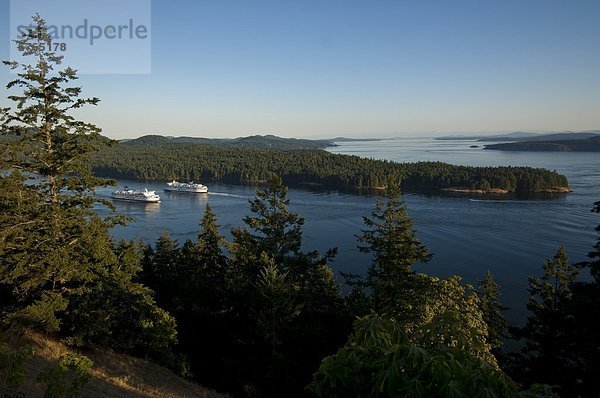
(136, 196)
(190, 187)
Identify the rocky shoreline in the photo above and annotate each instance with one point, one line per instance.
(500, 191)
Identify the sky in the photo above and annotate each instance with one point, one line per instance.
(328, 68)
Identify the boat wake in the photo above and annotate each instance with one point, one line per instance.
(231, 195)
(504, 201)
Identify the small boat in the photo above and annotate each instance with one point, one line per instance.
(136, 196)
(189, 187)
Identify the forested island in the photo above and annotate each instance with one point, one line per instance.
(159, 159)
(591, 144)
(253, 141)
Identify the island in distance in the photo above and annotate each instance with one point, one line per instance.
(253, 141)
(591, 144)
(585, 141)
(237, 162)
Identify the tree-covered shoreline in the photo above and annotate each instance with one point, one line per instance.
(247, 166)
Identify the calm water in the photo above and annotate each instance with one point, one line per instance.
(467, 236)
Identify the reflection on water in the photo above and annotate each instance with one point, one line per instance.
(193, 199)
(129, 207)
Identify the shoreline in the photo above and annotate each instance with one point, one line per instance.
(500, 191)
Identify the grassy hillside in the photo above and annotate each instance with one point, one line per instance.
(114, 375)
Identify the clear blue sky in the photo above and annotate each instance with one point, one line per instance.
(355, 68)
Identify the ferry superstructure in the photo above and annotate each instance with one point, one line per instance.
(189, 187)
(136, 196)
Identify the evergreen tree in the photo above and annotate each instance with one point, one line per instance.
(162, 269)
(211, 242)
(548, 332)
(594, 255)
(411, 299)
(205, 316)
(391, 238)
(392, 241)
(59, 267)
(46, 154)
(276, 306)
(267, 262)
(493, 312)
(277, 231)
(584, 333)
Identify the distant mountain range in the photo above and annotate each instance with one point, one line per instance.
(500, 137)
(254, 141)
(345, 139)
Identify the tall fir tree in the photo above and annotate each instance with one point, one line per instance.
(267, 262)
(392, 241)
(390, 236)
(594, 255)
(49, 148)
(548, 333)
(493, 312)
(415, 301)
(56, 254)
(584, 334)
(211, 242)
(277, 231)
(162, 271)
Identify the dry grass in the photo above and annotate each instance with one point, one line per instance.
(114, 375)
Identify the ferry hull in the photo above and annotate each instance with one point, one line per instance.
(186, 190)
(141, 200)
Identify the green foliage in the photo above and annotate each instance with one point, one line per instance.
(211, 243)
(563, 332)
(276, 307)
(12, 364)
(493, 312)
(390, 237)
(594, 255)
(192, 161)
(549, 346)
(414, 300)
(550, 292)
(47, 184)
(60, 270)
(432, 300)
(277, 231)
(295, 310)
(255, 141)
(393, 243)
(42, 314)
(256, 322)
(68, 378)
(380, 360)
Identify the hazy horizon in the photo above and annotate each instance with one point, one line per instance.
(360, 135)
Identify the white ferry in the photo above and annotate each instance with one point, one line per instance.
(137, 196)
(190, 187)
